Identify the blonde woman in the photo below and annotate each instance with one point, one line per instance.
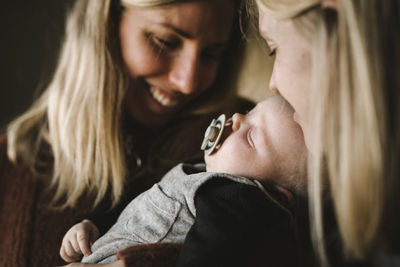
(135, 81)
(337, 64)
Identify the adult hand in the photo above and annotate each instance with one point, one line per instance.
(118, 263)
(77, 241)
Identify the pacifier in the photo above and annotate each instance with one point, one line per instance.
(213, 135)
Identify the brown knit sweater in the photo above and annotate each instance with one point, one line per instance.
(31, 232)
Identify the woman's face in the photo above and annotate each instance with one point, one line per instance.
(292, 66)
(172, 55)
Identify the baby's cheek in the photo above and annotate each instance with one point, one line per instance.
(213, 163)
(208, 163)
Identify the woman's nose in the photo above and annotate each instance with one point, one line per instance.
(237, 119)
(184, 73)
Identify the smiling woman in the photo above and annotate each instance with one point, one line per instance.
(136, 83)
(170, 60)
(139, 74)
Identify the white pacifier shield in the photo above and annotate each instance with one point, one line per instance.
(213, 134)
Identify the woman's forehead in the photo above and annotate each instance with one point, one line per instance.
(195, 18)
(275, 30)
(267, 25)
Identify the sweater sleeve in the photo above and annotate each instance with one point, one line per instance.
(238, 225)
(104, 216)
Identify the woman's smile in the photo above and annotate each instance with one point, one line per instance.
(163, 97)
(161, 101)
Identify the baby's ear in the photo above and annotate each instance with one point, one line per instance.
(284, 196)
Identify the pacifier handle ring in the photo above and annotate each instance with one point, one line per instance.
(213, 134)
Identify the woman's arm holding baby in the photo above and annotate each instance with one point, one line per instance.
(118, 263)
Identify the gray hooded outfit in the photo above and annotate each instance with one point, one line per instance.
(164, 213)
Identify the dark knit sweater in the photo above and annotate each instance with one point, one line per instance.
(31, 232)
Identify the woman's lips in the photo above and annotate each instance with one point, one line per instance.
(162, 97)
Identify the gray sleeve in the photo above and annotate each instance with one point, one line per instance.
(147, 219)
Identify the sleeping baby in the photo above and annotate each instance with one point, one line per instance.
(264, 149)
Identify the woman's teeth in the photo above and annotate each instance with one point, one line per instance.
(161, 98)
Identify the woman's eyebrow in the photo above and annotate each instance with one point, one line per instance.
(265, 35)
(268, 40)
(263, 32)
(190, 36)
(177, 30)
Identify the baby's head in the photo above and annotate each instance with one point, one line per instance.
(267, 145)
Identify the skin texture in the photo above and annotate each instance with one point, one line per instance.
(265, 144)
(174, 50)
(292, 66)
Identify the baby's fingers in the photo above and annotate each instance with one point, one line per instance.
(68, 253)
(83, 242)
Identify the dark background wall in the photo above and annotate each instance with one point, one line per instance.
(30, 37)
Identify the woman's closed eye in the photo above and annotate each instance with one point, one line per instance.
(270, 45)
(163, 43)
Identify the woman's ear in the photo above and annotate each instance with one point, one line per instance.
(329, 4)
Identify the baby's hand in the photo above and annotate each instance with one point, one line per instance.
(77, 241)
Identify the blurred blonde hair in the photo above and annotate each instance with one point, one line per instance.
(76, 123)
(354, 116)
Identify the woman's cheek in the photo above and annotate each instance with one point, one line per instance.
(304, 128)
(207, 76)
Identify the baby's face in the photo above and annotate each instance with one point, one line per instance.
(266, 144)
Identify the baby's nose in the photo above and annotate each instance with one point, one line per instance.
(237, 118)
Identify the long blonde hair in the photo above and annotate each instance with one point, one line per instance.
(354, 117)
(75, 125)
